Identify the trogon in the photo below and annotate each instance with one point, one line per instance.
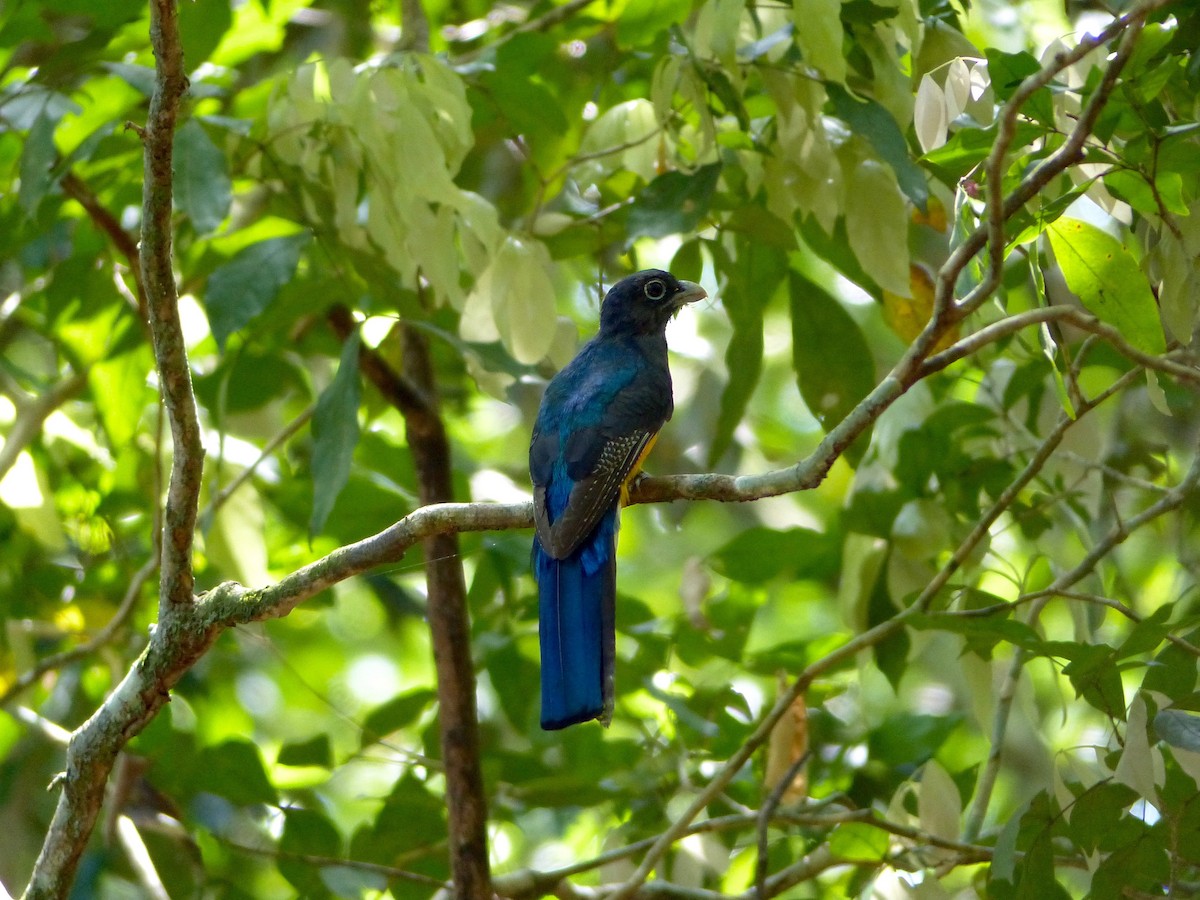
(598, 419)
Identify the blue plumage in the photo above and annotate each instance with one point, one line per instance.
(598, 418)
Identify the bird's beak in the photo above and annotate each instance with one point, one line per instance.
(689, 292)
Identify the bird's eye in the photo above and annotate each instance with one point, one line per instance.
(654, 289)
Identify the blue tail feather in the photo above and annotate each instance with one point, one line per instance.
(576, 606)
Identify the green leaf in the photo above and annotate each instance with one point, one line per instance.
(307, 832)
(1008, 70)
(513, 300)
(1003, 868)
(1173, 672)
(939, 806)
(202, 24)
(673, 203)
(1099, 815)
(906, 741)
(968, 147)
(834, 248)
(249, 379)
(399, 712)
(754, 275)
(121, 394)
(833, 363)
(37, 157)
(235, 771)
(819, 34)
(335, 435)
(517, 88)
(1109, 282)
(1179, 729)
(1140, 868)
(201, 181)
(1036, 872)
(858, 842)
(1147, 634)
(759, 555)
(877, 225)
(872, 121)
(316, 751)
(982, 633)
(245, 286)
(1095, 677)
(891, 654)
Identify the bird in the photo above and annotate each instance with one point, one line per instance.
(598, 419)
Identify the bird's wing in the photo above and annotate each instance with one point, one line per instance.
(597, 467)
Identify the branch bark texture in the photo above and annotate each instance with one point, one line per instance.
(94, 746)
(158, 279)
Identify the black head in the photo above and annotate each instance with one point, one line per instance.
(644, 302)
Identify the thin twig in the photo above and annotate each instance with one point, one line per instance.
(1115, 536)
(268, 450)
(51, 731)
(100, 639)
(357, 865)
(32, 414)
(762, 868)
(1070, 315)
(75, 188)
(140, 860)
(1057, 162)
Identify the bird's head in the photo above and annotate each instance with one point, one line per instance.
(644, 302)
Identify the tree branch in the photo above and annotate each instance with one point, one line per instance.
(905, 373)
(1116, 535)
(450, 628)
(285, 433)
(158, 277)
(74, 187)
(413, 393)
(1001, 209)
(95, 744)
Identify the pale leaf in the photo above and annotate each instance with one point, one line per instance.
(939, 805)
(930, 115)
(877, 225)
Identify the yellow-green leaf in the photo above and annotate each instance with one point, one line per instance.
(877, 225)
(522, 299)
(819, 34)
(858, 841)
(1109, 282)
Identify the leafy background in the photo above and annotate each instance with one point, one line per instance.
(812, 165)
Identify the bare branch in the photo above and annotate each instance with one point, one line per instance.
(74, 187)
(158, 279)
(94, 745)
(32, 414)
(139, 859)
(413, 393)
(1070, 315)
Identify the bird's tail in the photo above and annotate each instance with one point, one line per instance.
(576, 614)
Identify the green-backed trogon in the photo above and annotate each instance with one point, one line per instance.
(598, 420)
